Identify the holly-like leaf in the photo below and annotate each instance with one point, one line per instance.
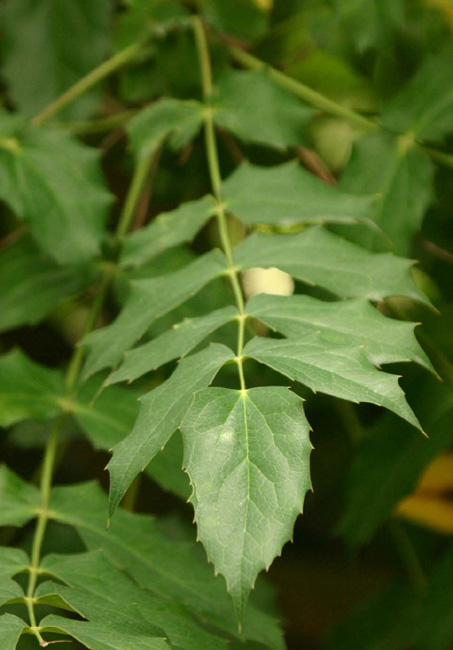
(247, 455)
(28, 390)
(32, 285)
(174, 570)
(171, 118)
(149, 300)
(401, 177)
(252, 106)
(346, 322)
(319, 257)
(172, 344)
(19, 502)
(166, 231)
(289, 195)
(161, 413)
(339, 370)
(50, 45)
(424, 108)
(11, 628)
(54, 183)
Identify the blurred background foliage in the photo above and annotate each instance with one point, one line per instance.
(374, 542)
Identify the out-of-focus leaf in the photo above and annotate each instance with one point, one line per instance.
(11, 628)
(392, 458)
(32, 285)
(161, 413)
(28, 390)
(424, 108)
(157, 16)
(402, 179)
(49, 45)
(54, 183)
(240, 18)
(256, 109)
(288, 195)
(247, 454)
(19, 502)
(370, 23)
(166, 231)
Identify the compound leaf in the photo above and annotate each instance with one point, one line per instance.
(339, 370)
(161, 413)
(288, 195)
(19, 502)
(149, 300)
(247, 455)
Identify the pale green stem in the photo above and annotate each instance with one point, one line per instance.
(216, 182)
(72, 375)
(91, 79)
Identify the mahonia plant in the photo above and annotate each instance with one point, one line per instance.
(246, 444)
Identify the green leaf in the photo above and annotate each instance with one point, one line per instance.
(391, 457)
(256, 109)
(319, 257)
(166, 231)
(19, 502)
(371, 23)
(240, 18)
(32, 285)
(424, 108)
(247, 455)
(171, 118)
(172, 344)
(108, 416)
(11, 628)
(402, 178)
(50, 45)
(102, 593)
(54, 183)
(166, 466)
(27, 390)
(161, 413)
(140, 16)
(12, 560)
(348, 322)
(339, 370)
(287, 195)
(10, 590)
(174, 570)
(149, 300)
(97, 636)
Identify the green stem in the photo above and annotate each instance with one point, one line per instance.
(440, 157)
(216, 183)
(91, 79)
(100, 125)
(72, 376)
